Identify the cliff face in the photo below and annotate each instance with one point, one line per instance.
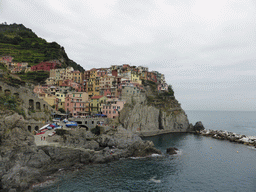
(154, 113)
(148, 120)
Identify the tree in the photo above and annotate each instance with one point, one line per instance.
(61, 110)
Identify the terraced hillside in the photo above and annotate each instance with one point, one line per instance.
(25, 46)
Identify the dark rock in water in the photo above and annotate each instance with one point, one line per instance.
(171, 150)
(142, 149)
(198, 126)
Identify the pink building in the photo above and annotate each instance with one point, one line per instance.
(110, 92)
(162, 87)
(7, 59)
(45, 66)
(112, 108)
(75, 103)
(101, 72)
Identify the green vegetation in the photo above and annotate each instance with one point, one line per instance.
(61, 132)
(34, 76)
(10, 79)
(2, 67)
(25, 46)
(170, 92)
(163, 100)
(61, 110)
(8, 102)
(97, 130)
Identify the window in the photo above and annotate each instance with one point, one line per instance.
(103, 107)
(118, 107)
(114, 107)
(114, 112)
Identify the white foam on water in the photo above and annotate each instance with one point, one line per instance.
(251, 147)
(156, 155)
(137, 157)
(155, 180)
(179, 152)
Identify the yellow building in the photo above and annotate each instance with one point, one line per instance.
(60, 100)
(77, 76)
(90, 86)
(95, 103)
(135, 77)
(96, 90)
(50, 99)
(93, 73)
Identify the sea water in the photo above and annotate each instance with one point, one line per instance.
(202, 163)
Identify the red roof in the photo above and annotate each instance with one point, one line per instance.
(97, 97)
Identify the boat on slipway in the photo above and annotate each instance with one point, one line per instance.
(71, 124)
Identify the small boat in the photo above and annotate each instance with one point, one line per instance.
(65, 121)
(71, 124)
(44, 127)
(40, 133)
(58, 127)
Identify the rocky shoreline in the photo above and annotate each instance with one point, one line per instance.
(230, 136)
(23, 164)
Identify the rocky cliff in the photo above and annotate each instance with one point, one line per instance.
(23, 163)
(153, 115)
(148, 120)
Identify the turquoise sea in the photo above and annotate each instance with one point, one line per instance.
(202, 164)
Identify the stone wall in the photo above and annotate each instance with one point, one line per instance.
(89, 123)
(37, 111)
(132, 94)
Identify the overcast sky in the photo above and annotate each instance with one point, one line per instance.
(205, 48)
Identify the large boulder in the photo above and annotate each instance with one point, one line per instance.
(171, 150)
(142, 149)
(198, 126)
(120, 138)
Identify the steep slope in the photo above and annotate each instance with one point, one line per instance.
(25, 46)
(158, 113)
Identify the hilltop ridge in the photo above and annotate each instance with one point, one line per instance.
(25, 46)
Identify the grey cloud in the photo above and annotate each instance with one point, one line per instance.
(210, 61)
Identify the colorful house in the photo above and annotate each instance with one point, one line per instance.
(45, 66)
(77, 76)
(75, 103)
(112, 107)
(95, 103)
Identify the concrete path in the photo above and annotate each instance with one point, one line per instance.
(39, 139)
